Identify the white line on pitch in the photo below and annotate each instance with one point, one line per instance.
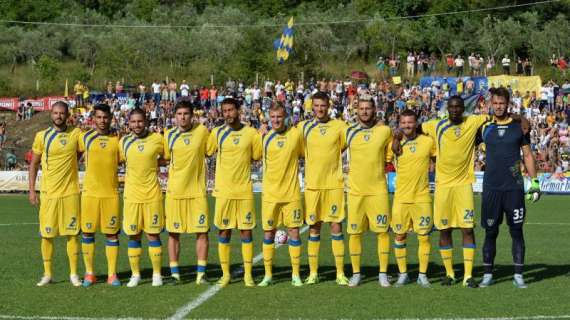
(539, 317)
(18, 224)
(186, 309)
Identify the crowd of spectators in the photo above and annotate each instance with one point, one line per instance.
(548, 110)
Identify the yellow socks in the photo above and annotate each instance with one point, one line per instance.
(47, 254)
(88, 249)
(112, 252)
(468, 254)
(424, 248)
(72, 253)
(268, 251)
(155, 254)
(447, 257)
(295, 254)
(174, 270)
(201, 267)
(134, 253)
(313, 252)
(401, 253)
(355, 251)
(383, 240)
(224, 255)
(247, 256)
(338, 252)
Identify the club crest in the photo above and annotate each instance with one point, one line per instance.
(63, 142)
(312, 217)
(225, 221)
(140, 147)
(366, 137)
(412, 149)
(444, 222)
(103, 144)
(176, 225)
(133, 227)
(89, 225)
(490, 222)
(270, 222)
(48, 229)
(457, 132)
(501, 132)
(353, 226)
(280, 144)
(398, 227)
(323, 131)
(186, 141)
(236, 140)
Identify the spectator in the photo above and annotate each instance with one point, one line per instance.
(506, 63)
(459, 62)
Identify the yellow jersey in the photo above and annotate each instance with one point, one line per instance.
(367, 152)
(187, 154)
(236, 149)
(281, 152)
(58, 150)
(323, 143)
(412, 169)
(101, 154)
(141, 161)
(455, 145)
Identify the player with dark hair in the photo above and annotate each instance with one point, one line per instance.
(503, 185)
(143, 208)
(186, 208)
(368, 207)
(100, 196)
(323, 140)
(411, 207)
(55, 149)
(236, 146)
(281, 203)
(454, 138)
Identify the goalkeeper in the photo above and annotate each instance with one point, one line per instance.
(503, 184)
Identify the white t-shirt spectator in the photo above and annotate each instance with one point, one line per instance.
(155, 87)
(184, 89)
(506, 62)
(459, 62)
(411, 59)
(256, 93)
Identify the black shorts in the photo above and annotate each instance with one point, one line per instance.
(495, 203)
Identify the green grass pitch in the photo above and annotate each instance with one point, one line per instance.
(547, 236)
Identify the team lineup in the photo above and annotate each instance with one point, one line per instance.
(65, 210)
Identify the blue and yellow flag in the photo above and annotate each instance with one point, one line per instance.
(284, 45)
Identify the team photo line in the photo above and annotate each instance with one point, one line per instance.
(412, 148)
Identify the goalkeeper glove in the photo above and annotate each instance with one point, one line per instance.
(533, 193)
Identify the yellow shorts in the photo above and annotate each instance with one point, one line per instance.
(453, 207)
(274, 214)
(412, 216)
(326, 205)
(100, 212)
(59, 216)
(187, 215)
(147, 217)
(234, 213)
(366, 212)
